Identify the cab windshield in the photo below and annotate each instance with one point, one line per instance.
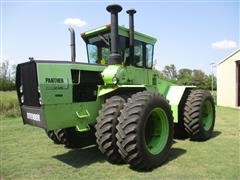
(98, 49)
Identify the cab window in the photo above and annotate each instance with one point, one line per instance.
(138, 54)
(92, 53)
(149, 55)
(98, 49)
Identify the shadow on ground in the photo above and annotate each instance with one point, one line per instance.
(215, 134)
(81, 157)
(174, 154)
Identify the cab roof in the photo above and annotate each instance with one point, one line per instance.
(122, 31)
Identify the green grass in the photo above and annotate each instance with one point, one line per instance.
(27, 153)
(9, 106)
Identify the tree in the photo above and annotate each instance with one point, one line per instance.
(211, 80)
(4, 69)
(170, 72)
(185, 77)
(159, 73)
(6, 80)
(13, 72)
(199, 79)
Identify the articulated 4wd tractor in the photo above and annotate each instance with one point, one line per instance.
(115, 100)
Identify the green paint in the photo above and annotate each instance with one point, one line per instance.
(163, 86)
(207, 115)
(96, 31)
(156, 131)
(59, 93)
(50, 90)
(109, 73)
(69, 115)
(122, 31)
(175, 112)
(103, 90)
(137, 35)
(127, 75)
(174, 95)
(57, 101)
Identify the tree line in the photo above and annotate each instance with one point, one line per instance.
(186, 76)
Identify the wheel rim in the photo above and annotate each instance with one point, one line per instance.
(207, 117)
(156, 131)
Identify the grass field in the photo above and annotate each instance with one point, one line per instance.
(26, 153)
(9, 106)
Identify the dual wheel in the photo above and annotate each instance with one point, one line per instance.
(139, 131)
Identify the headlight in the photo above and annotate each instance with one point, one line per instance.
(114, 80)
(21, 89)
(40, 100)
(39, 91)
(22, 99)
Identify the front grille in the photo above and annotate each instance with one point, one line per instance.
(26, 76)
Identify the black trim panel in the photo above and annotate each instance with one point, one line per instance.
(33, 116)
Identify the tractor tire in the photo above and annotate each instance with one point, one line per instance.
(145, 130)
(53, 136)
(179, 130)
(72, 138)
(75, 139)
(199, 115)
(106, 128)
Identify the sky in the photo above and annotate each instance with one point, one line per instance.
(190, 34)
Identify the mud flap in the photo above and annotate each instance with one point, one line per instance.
(33, 116)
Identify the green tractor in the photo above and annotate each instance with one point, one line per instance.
(115, 100)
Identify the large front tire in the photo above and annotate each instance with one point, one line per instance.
(145, 130)
(106, 128)
(199, 115)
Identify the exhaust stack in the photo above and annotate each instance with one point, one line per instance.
(131, 13)
(72, 44)
(114, 57)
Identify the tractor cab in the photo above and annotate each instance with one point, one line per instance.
(98, 44)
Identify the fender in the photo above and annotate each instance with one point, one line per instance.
(174, 95)
(104, 90)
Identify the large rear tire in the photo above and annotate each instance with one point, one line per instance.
(106, 128)
(199, 115)
(145, 130)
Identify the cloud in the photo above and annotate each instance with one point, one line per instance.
(75, 22)
(224, 44)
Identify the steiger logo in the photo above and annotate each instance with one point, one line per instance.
(54, 80)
